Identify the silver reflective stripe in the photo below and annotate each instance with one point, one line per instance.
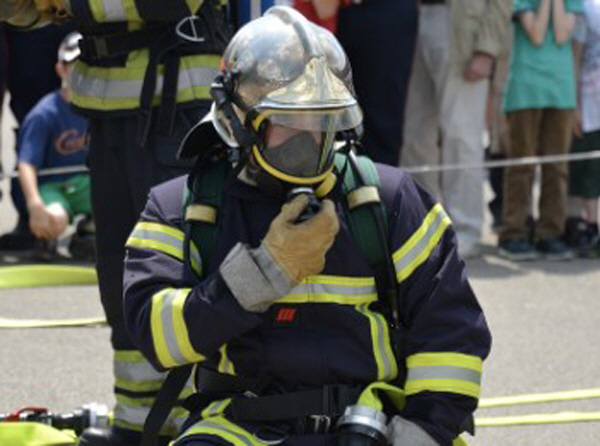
(319, 288)
(136, 371)
(167, 239)
(220, 427)
(444, 372)
(387, 368)
(216, 408)
(195, 258)
(114, 10)
(107, 89)
(133, 415)
(422, 244)
(166, 316)
(255, 9)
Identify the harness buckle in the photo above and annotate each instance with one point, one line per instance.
(320, 423)
(190, 28)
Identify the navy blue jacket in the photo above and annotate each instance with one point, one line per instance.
(325, 330)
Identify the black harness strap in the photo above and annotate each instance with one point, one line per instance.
(329, 400)
(164, 402)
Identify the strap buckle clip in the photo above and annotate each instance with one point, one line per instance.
(320, 423)
(190, 29)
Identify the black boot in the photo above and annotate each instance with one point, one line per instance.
(83, 242)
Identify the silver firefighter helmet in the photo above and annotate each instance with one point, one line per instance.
(282, 71)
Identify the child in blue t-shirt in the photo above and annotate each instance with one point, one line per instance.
(539, 102)
(52, 136)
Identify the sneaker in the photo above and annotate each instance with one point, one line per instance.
(45, 251)
(554, 249)
(576, 229)
(83, 247)
(518, 249)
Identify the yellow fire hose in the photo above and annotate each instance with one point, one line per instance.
(57, 275)
(22, 276)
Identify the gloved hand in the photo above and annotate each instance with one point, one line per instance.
(404, 432)
(299, 249)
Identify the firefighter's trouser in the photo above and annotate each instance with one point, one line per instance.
(122, 174)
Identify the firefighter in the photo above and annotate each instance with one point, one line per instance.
(294, 334)
(142, 81)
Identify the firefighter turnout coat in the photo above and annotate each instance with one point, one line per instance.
(110, 74)
(326, 330)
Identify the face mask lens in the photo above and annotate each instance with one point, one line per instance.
(299, 155)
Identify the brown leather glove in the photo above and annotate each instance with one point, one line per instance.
(299, 249)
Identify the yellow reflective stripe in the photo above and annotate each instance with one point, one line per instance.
(119, 88)
(129, 356)
(194, 5)
(444, 372)
(333, 289)
(165, 239)
(131, 11)
(225, 364)
(97, 8)
(215, 408)
(442, 385)
(420, 245)
(445, 358)
(387, 369)
(139, 386)
(169, 332)
(222, 428)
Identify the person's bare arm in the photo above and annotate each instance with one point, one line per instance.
(39, 219)
(563, 22)
(326, 8)
(577, 53)
(536, 23)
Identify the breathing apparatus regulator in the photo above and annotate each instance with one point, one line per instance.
(89, 415)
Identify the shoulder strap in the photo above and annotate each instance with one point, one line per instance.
(200, 208)
(368, 223)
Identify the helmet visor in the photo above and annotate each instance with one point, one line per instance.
(301, 144)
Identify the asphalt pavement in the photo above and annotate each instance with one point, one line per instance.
(544, 317)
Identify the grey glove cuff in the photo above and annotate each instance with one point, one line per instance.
(403, 432)
(254, 278)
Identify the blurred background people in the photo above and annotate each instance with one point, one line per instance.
(53, 136)
(539, 101)
(30, 74)
(445, 113)
(581, 232)
(379, 39)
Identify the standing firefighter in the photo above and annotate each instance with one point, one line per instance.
(142, 80)
(320, 295)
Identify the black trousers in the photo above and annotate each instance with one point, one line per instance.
(122, 174)
(379, 38)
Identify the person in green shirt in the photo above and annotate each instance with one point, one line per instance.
(539, 101)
